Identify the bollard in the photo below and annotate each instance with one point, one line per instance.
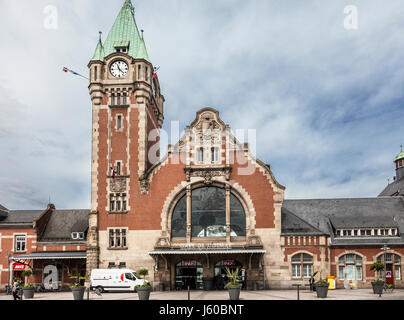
(189, 293)
(88, 293)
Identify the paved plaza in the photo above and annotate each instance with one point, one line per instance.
(341, 294)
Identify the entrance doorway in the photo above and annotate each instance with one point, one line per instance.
(393, 267)
(389, 274)
(221, 278)
(189, 273)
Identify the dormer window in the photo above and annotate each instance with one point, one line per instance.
(77, 235)
(121, 46)
(122, 50)
(375, 232)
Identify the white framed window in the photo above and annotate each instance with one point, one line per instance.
(302, 262)
(77, 235)
(214, 151)
(296, 272)
(200, 155)
(20, 243)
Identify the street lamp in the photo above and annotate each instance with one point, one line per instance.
(385, 248)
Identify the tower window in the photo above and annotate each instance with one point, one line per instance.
(113, 99)
(139, 68)
(125, 98)
(117, 238)
(200, 155)
(147, 73)
(117, 203)
(95, 73)
(122, 49)
(119, 123)
(215, 154)
(118, 99)
(118, 168)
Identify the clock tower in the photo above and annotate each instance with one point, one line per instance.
(127, 108)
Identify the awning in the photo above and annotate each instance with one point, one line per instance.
(206, 251)
(51, 255)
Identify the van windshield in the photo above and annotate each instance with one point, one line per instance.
(129, 276)
(135, 276)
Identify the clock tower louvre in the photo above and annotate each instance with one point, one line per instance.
(126, 107)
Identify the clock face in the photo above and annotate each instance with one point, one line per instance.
(119, 69)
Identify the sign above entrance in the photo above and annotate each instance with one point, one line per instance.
(228, 263)
(189, 263)
(18, 266)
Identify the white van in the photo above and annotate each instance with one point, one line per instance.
(115, 280)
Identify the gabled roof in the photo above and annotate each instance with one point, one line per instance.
(395, 188)
(124, 32)
(3, 212)
(293, 225)
(62, 223)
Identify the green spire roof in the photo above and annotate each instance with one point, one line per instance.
(400, 155)
(142, 53)
(99, 52)
(124, 32)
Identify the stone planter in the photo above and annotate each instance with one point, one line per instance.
(234, 292)
(322, 290)
(143, 292)
(208, 284)
(28, 292)
(378, 287)
(78, 293)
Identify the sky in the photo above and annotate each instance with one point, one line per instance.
(326, 100)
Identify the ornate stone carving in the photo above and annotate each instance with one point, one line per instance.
(162, 242)
(254, 241)
(118, 184)
(207, 173)
(144, 185)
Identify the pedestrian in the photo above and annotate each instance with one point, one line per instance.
(16, 290)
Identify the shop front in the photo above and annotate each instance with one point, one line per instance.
(178, 269)
(52, 270)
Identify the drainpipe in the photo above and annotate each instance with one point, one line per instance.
(9, 267)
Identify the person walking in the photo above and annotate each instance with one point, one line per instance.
(16, 290)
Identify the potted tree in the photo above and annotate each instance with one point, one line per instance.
(377, 284)
(29, 289)
(233, 286)
(321, 287)
(77, 288)
(143, 290)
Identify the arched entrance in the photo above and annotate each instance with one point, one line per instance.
(393, 267)
(221, 275)
(189, 273)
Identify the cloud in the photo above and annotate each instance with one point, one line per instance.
(326, 102)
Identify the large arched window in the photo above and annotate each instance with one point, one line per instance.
(350, 267)
(179, 219)
(208, 214)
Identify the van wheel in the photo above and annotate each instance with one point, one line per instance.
(99, 290)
